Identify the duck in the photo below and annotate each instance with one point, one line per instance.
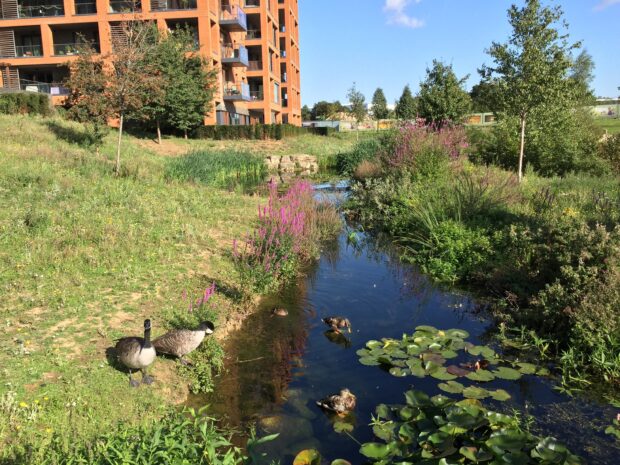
(181, 342)
(137, 353)
(341, 403)
(279, 312)
(337, 322)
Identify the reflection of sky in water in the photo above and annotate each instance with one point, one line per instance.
(280, 366)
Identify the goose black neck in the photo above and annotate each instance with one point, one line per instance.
(147, 338)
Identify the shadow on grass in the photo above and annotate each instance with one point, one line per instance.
(69, 134)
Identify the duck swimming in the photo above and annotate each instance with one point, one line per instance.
(337, 322)
(341, 403)
(181, 342)
(137, 353)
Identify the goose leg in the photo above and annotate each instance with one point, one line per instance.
(185, 362)
(132, 382)
(146, 379)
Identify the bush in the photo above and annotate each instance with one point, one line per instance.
(366, 150)
(32, 103)
(609, 150)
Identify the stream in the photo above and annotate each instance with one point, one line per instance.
(278, 367)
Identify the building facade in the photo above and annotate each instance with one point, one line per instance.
(254, 45)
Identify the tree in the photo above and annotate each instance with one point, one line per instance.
(87, 101)
(442, 95)
(306, 114)
(326, 110)
(406, 107)
(357, 103)
(532, 67)
(582, 75)
(484, 96)
(379, 105)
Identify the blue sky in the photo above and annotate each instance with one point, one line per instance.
(389, 43)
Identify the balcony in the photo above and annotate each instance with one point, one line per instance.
(252, 3)
(85, 8)
(173, 5)
(27, 51)
(236, 92)
(73, 48)
(37, 10)
(233, 18)
(256, 95)
(43, 87)
(125, 6)
(255, 65)
(253, 34)
(234, 55)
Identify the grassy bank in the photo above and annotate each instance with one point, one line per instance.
(612, 125)
(547, 251)
(84, 258)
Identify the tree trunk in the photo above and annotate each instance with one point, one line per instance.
(522, 150)
(185, 134)
(118, 146)
(158, 132)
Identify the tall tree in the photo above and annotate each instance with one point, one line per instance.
(306, 114)
(442, 95)
(357, 104)
(406, 107)
(379, 105)
(323, 110)
(532, 67)
(484, 96)
(582, 75)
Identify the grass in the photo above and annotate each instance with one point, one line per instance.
(612, 125)
(84, 258)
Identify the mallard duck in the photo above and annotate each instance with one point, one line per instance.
(137, 353)
(341, 403)
(181, 342)
(337, 322)
(279, 312)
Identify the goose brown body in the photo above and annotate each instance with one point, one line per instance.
(341, 403)
(181, 342)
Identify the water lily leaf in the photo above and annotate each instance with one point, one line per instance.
(457, 371)
(475, 392)
(417, 399)
(407, 433)
(341, 462)
(457, 333)
(507, 373)
(414, 349)
(383, 411)
(342, 427)
(550, 450)
(469, 453)
(453, 429)
(308, 457)
(427, 329)
(449, 354)
(526, 368)
(442, 374)
(496, 418)
(481, 350)
(374, 344)
(384, 360)
(515, 458)
(440, 400)
(369, 361)
(363, 352)
(508, 439)
(500, 395)
(418, 370)
(374, 450)
(384, 431)
(542, 372)
(481, 376)
(452, 387)
(406, 413)
(431, 367)
(433, 357)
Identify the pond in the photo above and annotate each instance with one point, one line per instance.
(278, 367)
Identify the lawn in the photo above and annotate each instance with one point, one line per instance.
(84, 257)
(612, 125)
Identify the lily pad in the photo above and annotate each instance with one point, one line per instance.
(427, 329)
(451, 387)
(442, 374)
(481, 376)
(481, 350)
(526, 368)
(341, 462)
(457, 333)
(343, 427)
(374, 450)
(417, 399)
(457, 371)
(507, 373)
(508, 439)
(399, 372)
(500, 395)
(369, 361)
(474, 392)
(308, 457)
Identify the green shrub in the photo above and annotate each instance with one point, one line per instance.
(25, 103)
(366, 150)
(258, 131)
(609, 150)
(225, 170)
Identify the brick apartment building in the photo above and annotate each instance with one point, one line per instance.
(253, 43)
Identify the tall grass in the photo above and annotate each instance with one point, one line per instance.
(222, 169)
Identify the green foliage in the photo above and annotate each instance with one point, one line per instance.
(442, 96)
(484, 96)
(258, 131)
(347, 162)
(357, 104)
(609, 150)
(306, 114)
(225, 170)
(31, 103)
(582, 75)
(379, 105)
(406, 107)
(326, 110)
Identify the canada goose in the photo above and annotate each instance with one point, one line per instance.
(279, 312)
(137, 353)
(341, 403)
(181, 342)
(337, 322)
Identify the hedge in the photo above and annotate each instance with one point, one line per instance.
(258, 131)
(25, 103)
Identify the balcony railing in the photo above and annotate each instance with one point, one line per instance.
(25, 51)
(256, 95)
(172, 5)
(85, 8)
(237, 91)
(255, 65)
(35, 11)
(252, 3)
(234, 55)
(125, 6)
(234, 18)
(43, 87)
(73, 48)
(253, 34)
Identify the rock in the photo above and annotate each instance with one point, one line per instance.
(291, 429)
(292, 163)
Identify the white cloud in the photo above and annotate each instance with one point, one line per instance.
(606, 3)
(395, 10)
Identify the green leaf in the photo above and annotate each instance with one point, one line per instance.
(369, 361)
(474, 392)
(427, 329)
(507, 373)
(508, 439)
(480, 376)
(308, 457)
(481, 350)
(417, 399)
(341, 462)
(457, 333)
(442, 374)
(374, 450)
(342, 427)
(526, 368)
(550, 450)
(452, 387)
(500, 395)
(398, 372)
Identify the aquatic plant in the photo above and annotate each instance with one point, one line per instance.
(290, 228)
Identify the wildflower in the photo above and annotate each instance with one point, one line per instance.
(23, 404)
(46, 398)
(48, 430)
(36, 401)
